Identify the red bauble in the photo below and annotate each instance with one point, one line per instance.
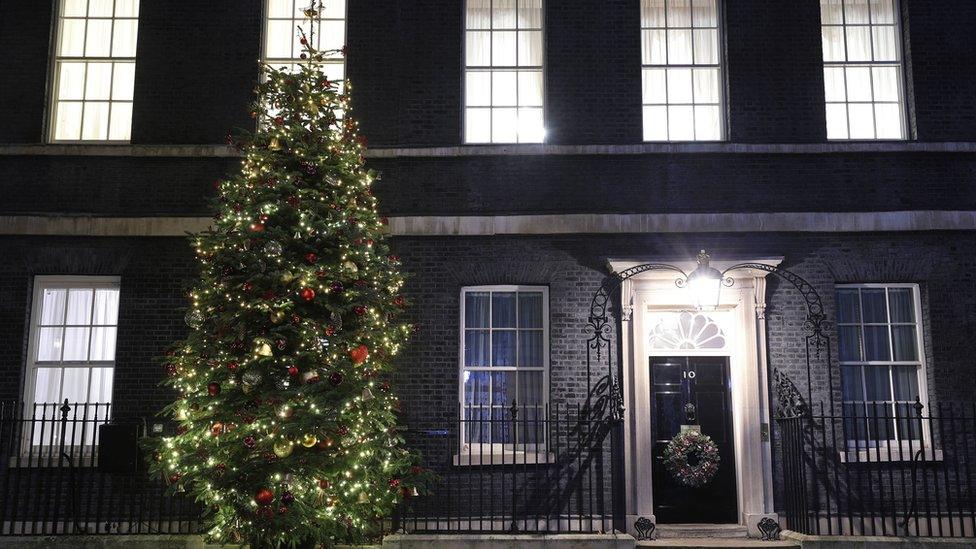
(292, 200)
(394, 482)
(330, 330)
(359, 354)
(359, 310)
(307, 294)
(232, 366)
(399, 301)
(247, 286)
(279, 121)
(324, 484)
(311, 257)
(171, 369)
(174, 478)
(293, 370)
(264, 496)
(304, 41)
(213, 388)
(257, 227)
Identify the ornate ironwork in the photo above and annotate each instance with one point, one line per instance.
(645, 528)
(789, 402)
(769, 529)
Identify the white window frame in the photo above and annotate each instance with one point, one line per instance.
(276, 61)
(53, 77)
(719, 65)
(491, 68)
(900, 448)
(899, 63)
(499, 453)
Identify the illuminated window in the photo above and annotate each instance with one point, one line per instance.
(285, 22)
(681, 69)
(503, 78)
(94, 70)
(863, 73)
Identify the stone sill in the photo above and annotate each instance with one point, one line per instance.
(880, 455)
(475, 459)
(225, 151)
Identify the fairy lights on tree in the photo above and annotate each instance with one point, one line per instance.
(286, 423)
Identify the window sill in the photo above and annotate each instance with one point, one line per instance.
(882, 455)
(507, 458)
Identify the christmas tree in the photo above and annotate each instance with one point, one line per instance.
(285, 420)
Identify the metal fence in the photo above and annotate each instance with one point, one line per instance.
(528, 469)
(55, 480)
(881, 469)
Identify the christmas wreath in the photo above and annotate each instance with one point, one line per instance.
(692, 458)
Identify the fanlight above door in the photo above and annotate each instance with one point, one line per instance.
(685, 331)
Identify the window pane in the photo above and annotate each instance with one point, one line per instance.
(530, 349)
(703, 13)
(654, 47)
(833, 43)
(503, 49)
(681, 124)
(652, 13)
(861, 121)
(477, 48)
(706, 86)
(679, 86)
(851, 384)
(886, 82)
(906, 382)
(530, 388)
(901, 305)
(102, 343)
(75, 8)
(849, 343)
(503, 309)
(478, 14)
(831, 12)
(49, 344)
(848, 307)
(476, 309)
(280, 8)
(98, 37)
(503, 348)
(332, 35)
(122, 81)
(530, 14)
(834, 84)
(76, 344)
(679, 13)
(477, 389)
(75, 385)
(106, 306)
(885, 48)
(279, 39)
(679, 47)
(876, 343)
(882, 11)
(502, 389)
(530, 309)
(654, 86)
(72, 37)
(67, 125)
(858, 43)
(52, 306)
(120, 126)
(100, 8)
(873, 303)
(477, 89)
(877, 384)
(503, 14)
(124, 38)
(477, 125)
(530, 48)
(707, 123)
(101, 385)
(47, 385)
(858, 84)
(476, 348)
(856, 11)
(504, 125)
(888, 120)
(95, 122)
(655, 123)
(904, 343)
(79, 306)
(334, 9)
(530, 126)
(98, 85)
(530, 89)
(837, 121)
(706, 46)
(504, 91)
(71, 80)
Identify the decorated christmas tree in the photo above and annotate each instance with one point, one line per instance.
(285, 418)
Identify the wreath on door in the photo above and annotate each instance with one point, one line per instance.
(692, 458)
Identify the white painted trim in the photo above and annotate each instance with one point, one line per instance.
(489, 225)
(216, 150)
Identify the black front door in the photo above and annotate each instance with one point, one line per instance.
(704, 383)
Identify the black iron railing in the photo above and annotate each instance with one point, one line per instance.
(54, 478)
(881, 469)
(518, 469)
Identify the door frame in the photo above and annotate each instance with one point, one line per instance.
(743, 307)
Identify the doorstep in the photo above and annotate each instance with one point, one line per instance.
(709, 543)
(514, 541)
(108, 541)
(807, 541)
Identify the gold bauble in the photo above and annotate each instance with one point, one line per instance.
(309, 440)
(287, 277)
(262, 347)
(278, 317)
(286, 411)
(363, 498)
(274, 144)
(283, 448)
(350, 266)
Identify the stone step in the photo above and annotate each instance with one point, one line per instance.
(723, 543)
(686, 531)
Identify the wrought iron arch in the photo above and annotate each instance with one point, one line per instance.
(605, 396)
